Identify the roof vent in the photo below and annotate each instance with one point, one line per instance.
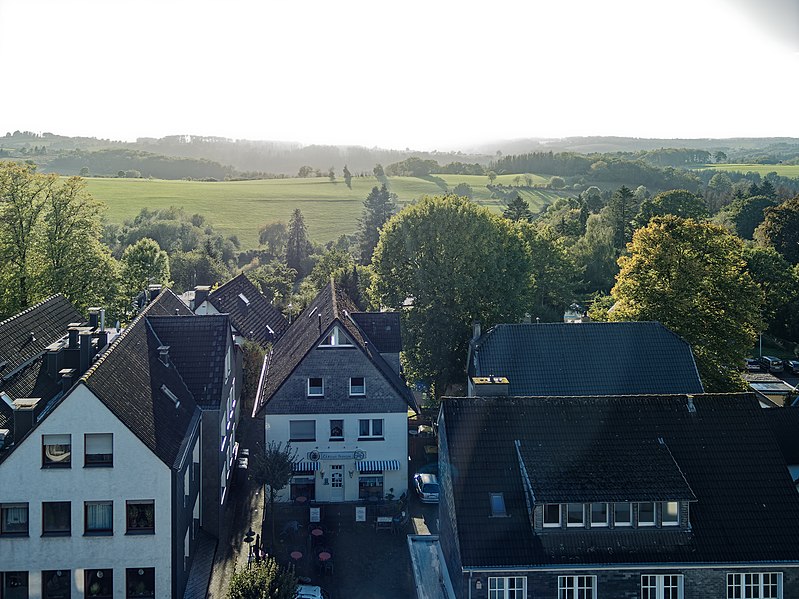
(163, 354)
(691, 406)
(171, 396)
(4, 433)
(32, 337)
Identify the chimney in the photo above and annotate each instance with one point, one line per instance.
(102, 339)
(476, 330)
(72, 331)
(200, 295)
(53, 360)
(85, 351)
(490, 386)
(152, 291)
(94, 317)
(67, 375)
(102, 319)
(163, 354)
(24, 415)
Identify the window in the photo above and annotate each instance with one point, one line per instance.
(14, 585)
(336, 339)
(56, 451)
(509, 587)
(623, 514)
(303, 486)
(357, 386)
(56, 584)
(14, 519)
(302, 430)
(140, 517)
(646, 514)
(668, 586)
(576, 587)
(316, 387)
(497, 505)
(765, 585)
(99, 517)
(370, 428)
(336, 430)
(99, 449)
(551, 515)
(370, 487)
(99, 583)
(599, 514)
(575, 514)
(56, 518)
(140, 583)
(670, 513)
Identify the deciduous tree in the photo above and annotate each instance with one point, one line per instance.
(272, 467)
(677, 202)
(692, 277)
(143, 263)
(780, 229)
(263, 580)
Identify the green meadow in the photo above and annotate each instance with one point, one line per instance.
(784, 170)
(330, 209)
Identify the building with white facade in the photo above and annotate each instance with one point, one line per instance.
(331, 387)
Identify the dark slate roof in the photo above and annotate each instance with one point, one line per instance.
(128, 378)
(746, 508)
(784, 424)
(331, 306)
(197, 347)
(253, 321)
(382, 329)
(594, 358)
(167, 304)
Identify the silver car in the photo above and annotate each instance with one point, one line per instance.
(426, 486)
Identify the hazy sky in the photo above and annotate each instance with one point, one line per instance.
(422, 74)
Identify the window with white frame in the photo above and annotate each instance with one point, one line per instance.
(599, 514)
(507, 587)
(575, 514)
(316, 387)
(646, 513)
(551, 515)
(99, 517)
(670, 513)
(336, 339)
(357, 386)
(337, 430)
(14, 519)
(370, 428)
(754, 585)
(302, 430)
(99, 449)
(623, 514)
(56, 451)
(661, 586)
(576, 587)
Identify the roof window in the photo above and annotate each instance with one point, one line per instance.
(498, 505)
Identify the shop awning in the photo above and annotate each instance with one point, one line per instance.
(306, 466)
(378, 465)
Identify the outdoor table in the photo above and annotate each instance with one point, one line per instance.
(317, 532)
(324, 556)
(296, 555)
(301, 499)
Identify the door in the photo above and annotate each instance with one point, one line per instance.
(337, 482)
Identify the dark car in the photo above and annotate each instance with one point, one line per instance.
(752, 365)
(792, 366)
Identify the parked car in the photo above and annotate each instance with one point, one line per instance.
(752, 365)
(426, 486)
(771, 364)
(307, 591)
(792, 366)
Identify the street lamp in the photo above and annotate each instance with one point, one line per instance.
(249, 538)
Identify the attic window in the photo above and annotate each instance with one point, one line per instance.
(243, 299)
(335, 339)
(498, 505)
(166, 391)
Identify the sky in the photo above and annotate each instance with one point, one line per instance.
(433, 74)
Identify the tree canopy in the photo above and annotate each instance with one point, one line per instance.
(265, 579)
(297, 244)
(378, 207)
(780, 229)
(691, 276)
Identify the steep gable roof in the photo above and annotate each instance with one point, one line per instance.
(746, 507)
(382, 329)
(129, 379)
(250, 312)
(330, 306)
(594, 358)
(198, 347)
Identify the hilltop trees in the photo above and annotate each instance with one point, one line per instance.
(518, 209)
(378, 207)
(678, 202)
(692, 277)
(619, 213)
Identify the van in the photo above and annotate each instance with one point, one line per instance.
(771, 364)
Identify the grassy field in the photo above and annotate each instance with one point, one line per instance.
(784, 170)
(242, 207)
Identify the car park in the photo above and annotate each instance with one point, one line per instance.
(426, 486)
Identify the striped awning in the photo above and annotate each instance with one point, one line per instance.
(305, 466)
(378, 465)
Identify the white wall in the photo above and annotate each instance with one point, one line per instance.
(394, 447)
(136, 474)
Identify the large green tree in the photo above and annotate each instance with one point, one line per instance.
(297, 245)
(263, 580)
(143, 263)
(378, 207)
(678, 202)
(619, 214)
(457, 263)
(692, 277)
(744, 215)
(780, 229)
(778, 281)
(272, 467)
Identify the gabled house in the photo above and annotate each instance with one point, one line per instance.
(658, 497)
(331, 387)
(589, 358)
(251, 314)
(104, 495)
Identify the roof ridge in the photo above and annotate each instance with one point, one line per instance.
(333, 296)
(241, 275)
(29, 308)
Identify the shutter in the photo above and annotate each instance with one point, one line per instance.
(99, 444)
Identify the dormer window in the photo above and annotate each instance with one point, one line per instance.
(670, 513)
(498, 505)
(552, 515)
(623, 514)
(316, 387)
(599, 514)
(575, 514)
(357, 386)
(646, 514)
(335, 339)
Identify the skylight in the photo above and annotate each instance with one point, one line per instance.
(498, 505)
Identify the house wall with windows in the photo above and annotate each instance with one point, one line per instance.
(136, 482)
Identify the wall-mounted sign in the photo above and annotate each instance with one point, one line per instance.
(315, 516)
(336, 456)
(360, 513)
